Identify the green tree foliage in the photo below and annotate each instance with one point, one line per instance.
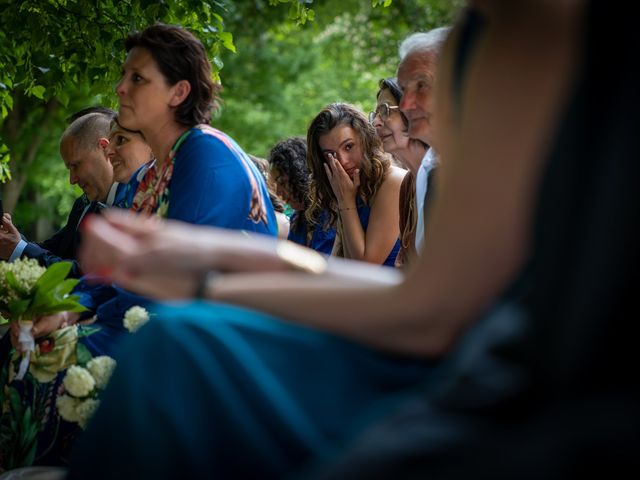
(57, 56)
(293, 57)
(283, 73)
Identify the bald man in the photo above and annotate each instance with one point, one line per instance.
(82, 147)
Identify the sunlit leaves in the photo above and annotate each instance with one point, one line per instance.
(48, 48)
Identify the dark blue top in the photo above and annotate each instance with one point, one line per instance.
(124, 199)
(322, 237)
(364, 211)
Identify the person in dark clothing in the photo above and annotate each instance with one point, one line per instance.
(83, 150)
(545, 385)
(290, 172)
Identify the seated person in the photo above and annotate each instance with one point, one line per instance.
(201, 176)
(392, 127)
(290, 173)
(280, 392)
(276, 203)
(82, 148)
(130, 157)
(355, 184)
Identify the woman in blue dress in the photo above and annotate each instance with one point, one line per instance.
(354, 182)
(290, 173)
(201, 176)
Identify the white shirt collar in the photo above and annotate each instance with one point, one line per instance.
(430, 158)
(111, 197)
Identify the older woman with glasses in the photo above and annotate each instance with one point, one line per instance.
(391, 126)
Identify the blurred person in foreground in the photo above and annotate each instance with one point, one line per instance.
(539, 374)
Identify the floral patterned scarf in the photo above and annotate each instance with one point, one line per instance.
(152, 195)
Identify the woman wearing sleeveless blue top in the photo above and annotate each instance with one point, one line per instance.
(322, 236)
(355, 183)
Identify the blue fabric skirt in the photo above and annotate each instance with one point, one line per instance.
(213, 391)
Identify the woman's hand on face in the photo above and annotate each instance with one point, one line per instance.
(344, 188)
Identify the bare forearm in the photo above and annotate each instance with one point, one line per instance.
(353, 235)
(362, 305)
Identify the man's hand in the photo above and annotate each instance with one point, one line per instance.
(9, 237)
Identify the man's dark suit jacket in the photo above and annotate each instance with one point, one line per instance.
(63, 245)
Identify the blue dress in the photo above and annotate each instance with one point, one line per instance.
(364, 211)
(322, 237)
(214, 391)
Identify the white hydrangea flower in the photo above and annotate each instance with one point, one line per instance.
(27, 272)
(101, 369)
(135, 317)
(78, 381)
(85, 410)
(68, 408)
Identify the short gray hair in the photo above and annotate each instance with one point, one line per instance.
(424, 42)
(87, 130)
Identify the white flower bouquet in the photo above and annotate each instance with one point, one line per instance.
(29, 291)
(82, 387)
(84, 382)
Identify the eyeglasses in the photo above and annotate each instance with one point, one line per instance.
(384, 110)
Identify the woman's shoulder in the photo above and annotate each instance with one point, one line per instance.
(394, 178)
(207, 135)
(397, 172)
(390, 187)
(205, 141)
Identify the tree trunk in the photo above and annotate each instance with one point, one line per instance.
(44, 225)
(23, 153)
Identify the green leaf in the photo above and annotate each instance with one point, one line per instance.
(55, 274)
(64, 287)
(17, 308)
(27, 438)
(83, 354)
(15, 402)
(62, 306)
(227, 40)
(38, 91)
(63, 97)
